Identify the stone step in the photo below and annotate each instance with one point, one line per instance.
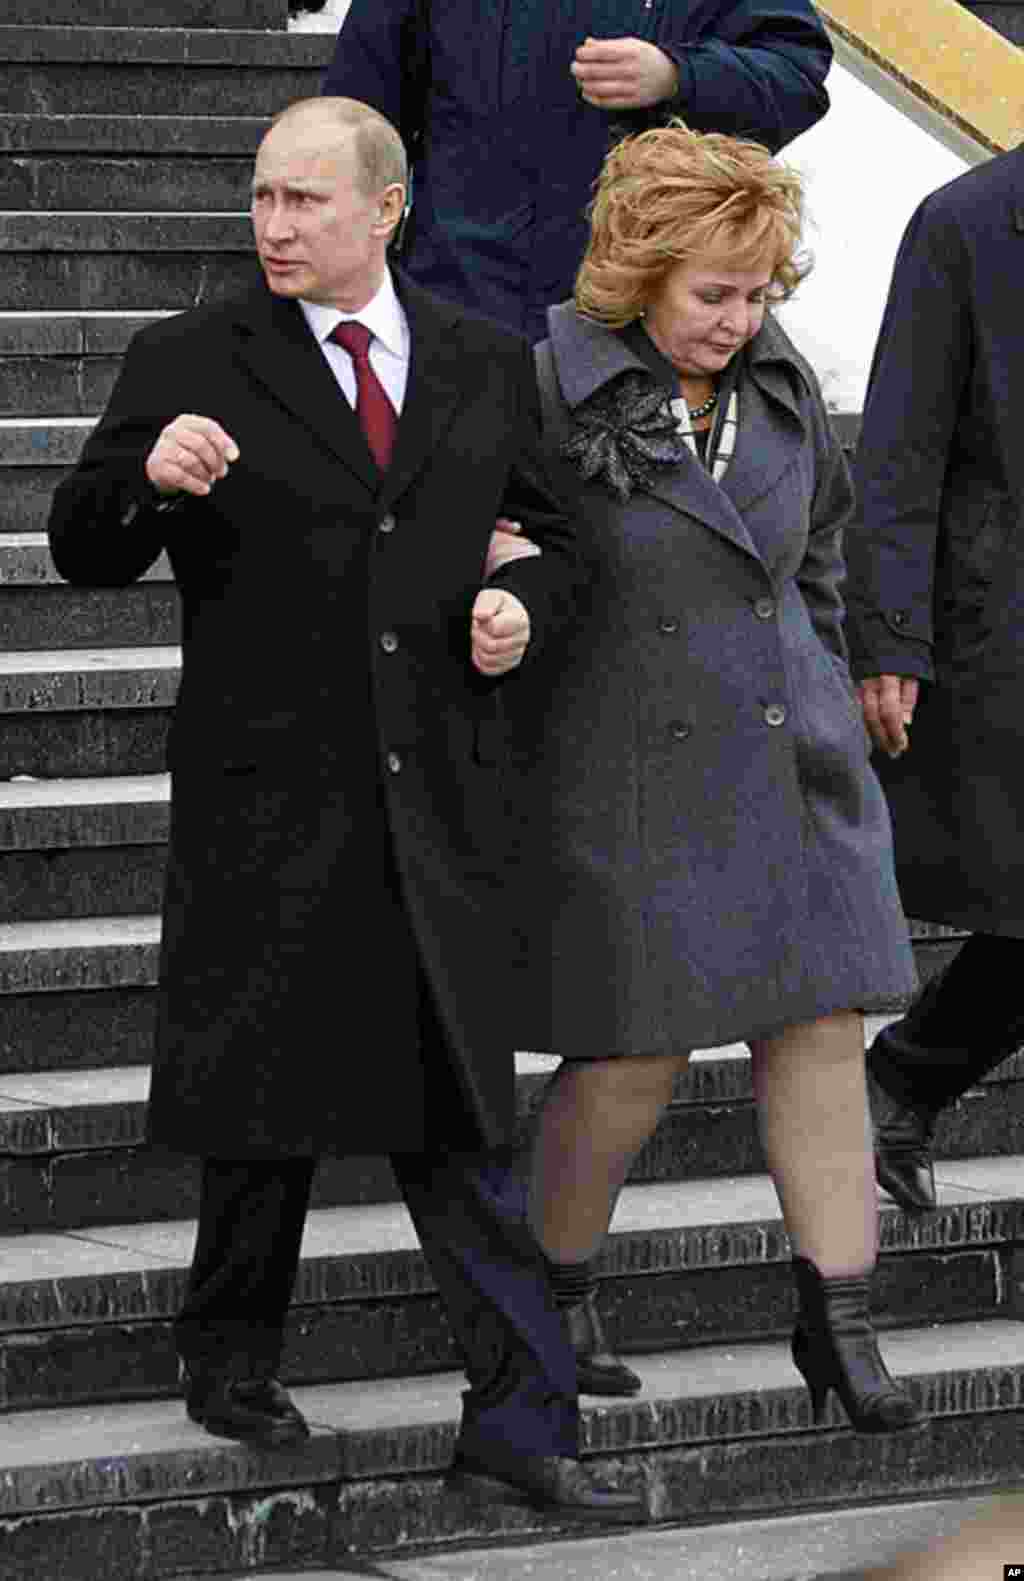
(134, 261)
(52, 615)
(155, 13)
(81, 848)
(58, 182)
(814, 1545)
(123, 162)
(36, 454)
(112, 881)
(87, 712)
(44, 815)
(77, 1029)
(127, 136)
(57, 365)
(718, 1432)
(28, 442)
(77, 1154)
(38, 611)
(47, 71)
(85, 1317)
(25, 495)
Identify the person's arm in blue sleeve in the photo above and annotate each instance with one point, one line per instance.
(749, 68)
(381, 59)
(752, 68)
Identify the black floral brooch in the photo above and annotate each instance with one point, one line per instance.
(623, 433)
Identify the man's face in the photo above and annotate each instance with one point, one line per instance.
(317, 234)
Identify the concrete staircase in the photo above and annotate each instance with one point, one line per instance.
(100, 1474)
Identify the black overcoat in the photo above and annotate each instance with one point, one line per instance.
(937, 557)
(505, 151)
(338, 813)
(717, 849)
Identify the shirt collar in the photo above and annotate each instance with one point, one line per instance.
(382, 315)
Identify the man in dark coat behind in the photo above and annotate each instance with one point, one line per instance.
(506, 108)
(936, 605)
(334, 945)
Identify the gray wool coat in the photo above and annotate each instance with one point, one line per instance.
(716, 846)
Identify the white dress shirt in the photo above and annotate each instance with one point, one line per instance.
(385, 317)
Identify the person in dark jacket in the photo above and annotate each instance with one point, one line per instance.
(717, 847)
(936, 628)
(338, 821)
(507, 109)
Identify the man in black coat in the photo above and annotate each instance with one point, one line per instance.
(323, 460)
(936, 607)
(507, 108)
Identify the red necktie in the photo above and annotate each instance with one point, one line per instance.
(373, 409)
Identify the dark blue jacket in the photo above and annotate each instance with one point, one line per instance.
(936, 562)
(505, 151)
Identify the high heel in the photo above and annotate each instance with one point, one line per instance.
(834, 1347)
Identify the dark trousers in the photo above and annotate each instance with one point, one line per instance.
(469, 1210)
(962, 1024)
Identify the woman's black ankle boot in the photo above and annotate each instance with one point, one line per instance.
(598, 1369)
(834, 1347)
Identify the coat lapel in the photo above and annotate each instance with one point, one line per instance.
(771, 429)
(436, 382)
(587, 356)
(280, 351)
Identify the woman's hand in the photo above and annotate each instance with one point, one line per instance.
(624, 73)
(507, 544)
(888, 703)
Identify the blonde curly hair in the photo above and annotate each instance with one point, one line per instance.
(671, 196)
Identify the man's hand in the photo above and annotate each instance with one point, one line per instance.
(190, 455)
(500, 631)
(508, 544)
(888, 702)
(624, 73)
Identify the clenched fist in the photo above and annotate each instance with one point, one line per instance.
(190, 455)
(500, 631)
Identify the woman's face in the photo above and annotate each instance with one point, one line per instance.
(702, 313)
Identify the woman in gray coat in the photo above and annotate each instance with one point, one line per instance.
(718, 846)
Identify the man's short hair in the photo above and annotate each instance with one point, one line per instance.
(380, 153)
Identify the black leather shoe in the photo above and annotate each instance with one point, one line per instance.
(547, 1482)
(903, 1156)
(255, 1410)
(598, 1369)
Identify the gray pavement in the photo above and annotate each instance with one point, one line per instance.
(835, 1546)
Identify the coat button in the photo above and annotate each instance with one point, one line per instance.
(899, 617)
(394, 763)
(775, 714)
(668, 626)
(388, 524)
(389, 642)
(679, 730)
(764, 608)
